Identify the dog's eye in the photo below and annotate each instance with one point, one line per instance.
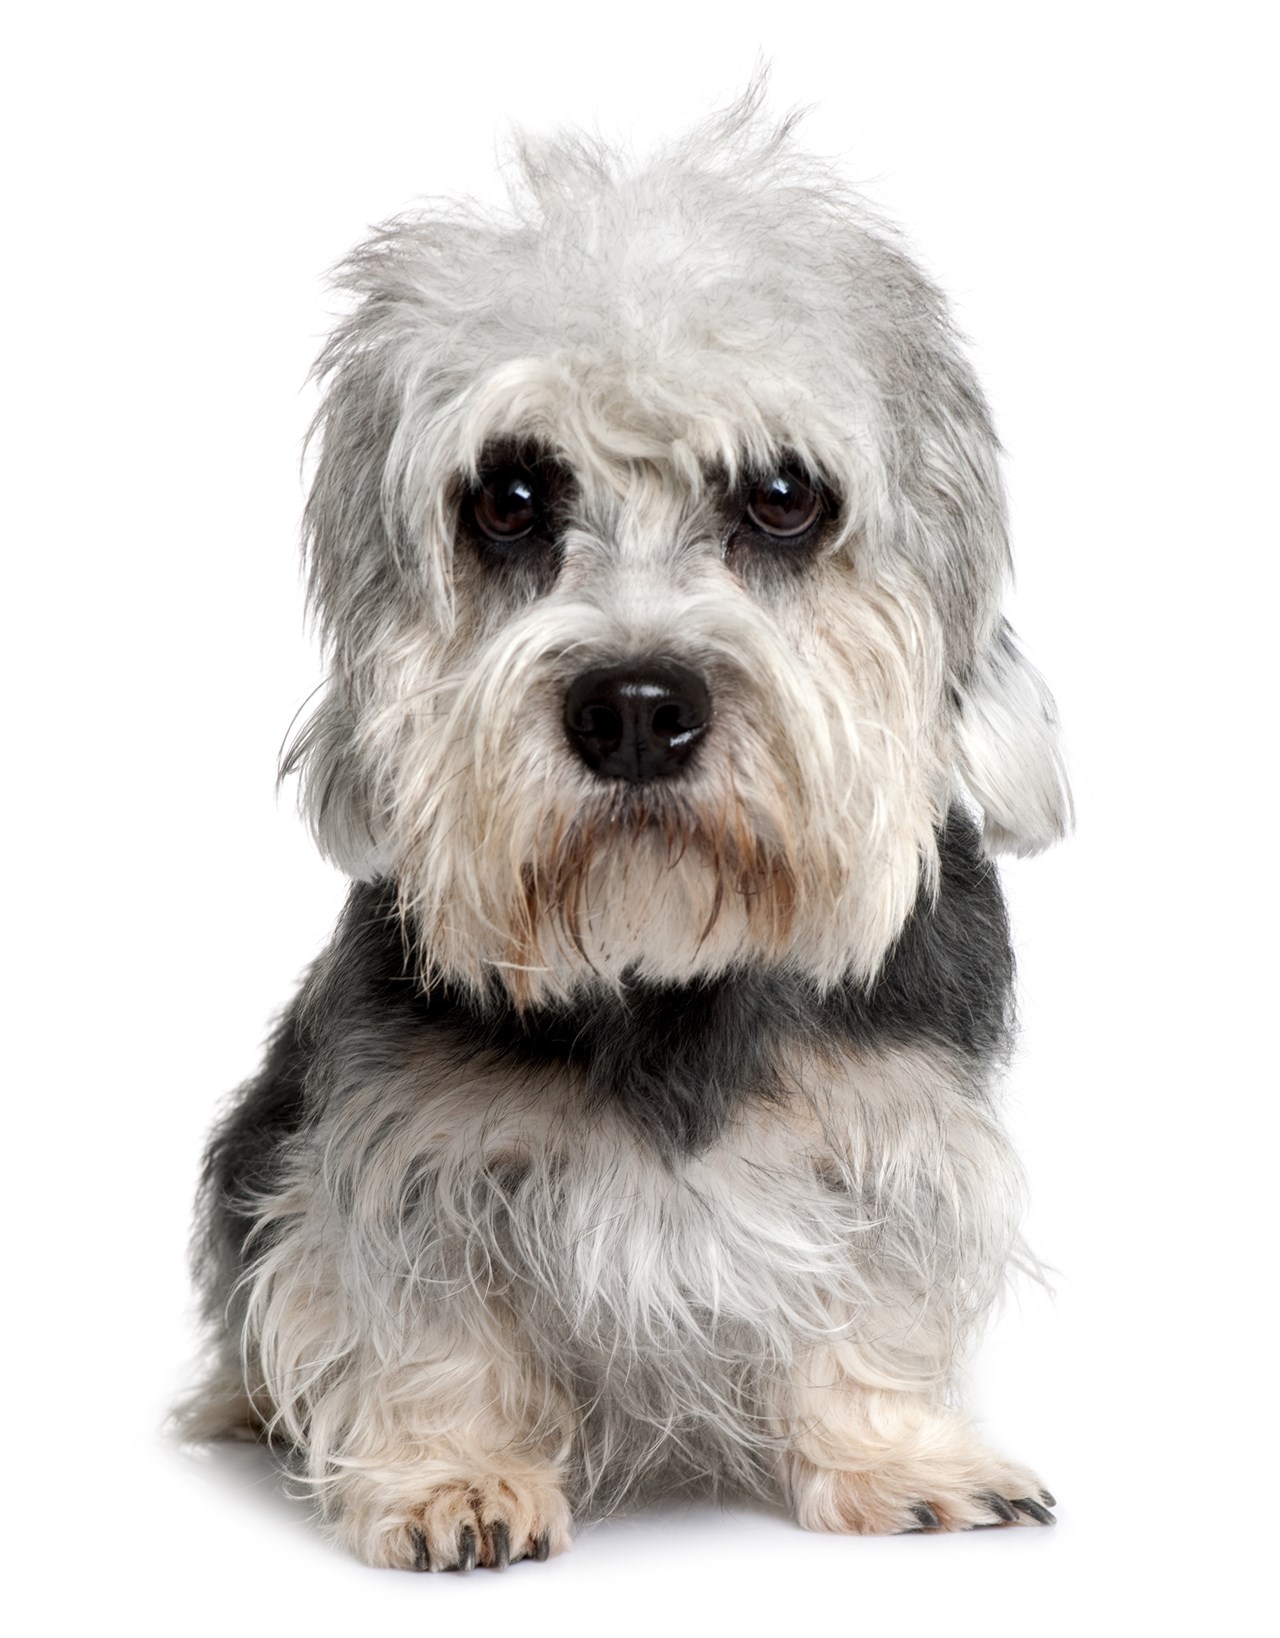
(783, 505)
(508, 504)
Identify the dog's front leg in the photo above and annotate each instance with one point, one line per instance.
(450, 1501)
(419, 1420)
(874, 1460)
(442, 1463)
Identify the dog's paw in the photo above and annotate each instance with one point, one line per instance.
(919, 1496)
(985, 1509)
(484, 1523)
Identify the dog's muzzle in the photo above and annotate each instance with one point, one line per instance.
(637, 722)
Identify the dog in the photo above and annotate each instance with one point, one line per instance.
(636, 1132)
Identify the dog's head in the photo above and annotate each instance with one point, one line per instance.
(658, 543)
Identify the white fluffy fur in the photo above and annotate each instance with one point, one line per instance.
(468, 1303)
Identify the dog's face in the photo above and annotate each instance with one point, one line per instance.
(659, 544)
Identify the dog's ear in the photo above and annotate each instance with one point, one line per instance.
(335, 794)
(1006, 743)
(1008, 749)
(377, 544)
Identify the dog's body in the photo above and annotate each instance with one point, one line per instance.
(636, 1128)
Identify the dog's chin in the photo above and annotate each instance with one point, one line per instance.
(646, 885)
(637, 836)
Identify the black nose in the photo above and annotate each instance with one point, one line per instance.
(637, 722)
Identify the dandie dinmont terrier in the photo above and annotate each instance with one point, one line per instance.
(636, 1129)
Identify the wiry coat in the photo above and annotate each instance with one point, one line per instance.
(639, 1134)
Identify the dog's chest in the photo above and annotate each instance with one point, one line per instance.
(608, 1246)
(624, 1244)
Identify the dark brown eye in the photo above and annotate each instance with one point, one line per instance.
(783, 505)
(508, 504)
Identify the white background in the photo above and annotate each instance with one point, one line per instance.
(1092, 186)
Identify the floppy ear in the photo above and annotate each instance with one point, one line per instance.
(335, 795)
(1008, 751)
(950, 523)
